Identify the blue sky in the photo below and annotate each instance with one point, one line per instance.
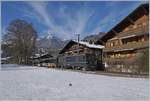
(66, 19)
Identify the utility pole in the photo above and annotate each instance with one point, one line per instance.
(40, 53)
(78, 48)
(78, 42)
(78, 37)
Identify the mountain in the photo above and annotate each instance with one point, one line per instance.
(50, 43)
(93, 38)
(53, 44)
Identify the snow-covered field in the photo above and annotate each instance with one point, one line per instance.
(26, 83)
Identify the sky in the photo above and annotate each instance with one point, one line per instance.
(66, 19)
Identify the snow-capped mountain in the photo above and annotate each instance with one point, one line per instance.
(94, 38)
(53, 44)
(50, 43)
(49, 36)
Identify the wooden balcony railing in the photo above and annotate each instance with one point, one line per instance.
(113, 59)
(137, 31)
(110, 59)
(134, 45)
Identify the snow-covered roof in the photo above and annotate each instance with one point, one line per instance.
(6, 58)
(39, 55)
(87, 44)
(113, 38)
(128, 36)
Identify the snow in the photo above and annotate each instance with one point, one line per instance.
(39, 55)
(49, 36)
(89, 45)
(129, 36)
(6, 58)
(37, 83)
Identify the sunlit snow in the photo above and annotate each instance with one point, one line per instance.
(27, 82)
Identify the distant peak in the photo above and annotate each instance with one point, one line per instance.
(49, 36)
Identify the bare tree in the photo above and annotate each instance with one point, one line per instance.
(21, 37)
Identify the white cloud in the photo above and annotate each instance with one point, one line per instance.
(3, 30)
(104, 22)
(32, 15)
(73, 25)
(112, 17)
(40, 8)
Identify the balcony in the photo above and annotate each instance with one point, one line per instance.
(130, 58)
(137, 31)
(115, 59)
(128, 46)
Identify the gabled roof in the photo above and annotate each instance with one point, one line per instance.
(5, 58)
(45, 55)
(86, 44)
(137, 13)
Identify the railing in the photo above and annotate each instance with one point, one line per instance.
(135, 45)
(115, 58)
(129, 58)
(137, 31)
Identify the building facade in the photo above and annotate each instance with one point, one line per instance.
(81, 55)
(45, 60)
(127, 41)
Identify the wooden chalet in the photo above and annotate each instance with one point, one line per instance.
(81, 55)
(126, 42)
(45, 60)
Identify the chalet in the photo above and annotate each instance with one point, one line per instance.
(81, 55)
(126, 42)
(45, 60)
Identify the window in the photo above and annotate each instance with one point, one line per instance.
(142, 39)
(119, 55)
(71, 59)
(116, 43)
(81, 50)
(135, 26)
(139, 25)
(111, 44)
(81, 58)
(126, 29)
(112, 56)
(108, 45)
(144, 23)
